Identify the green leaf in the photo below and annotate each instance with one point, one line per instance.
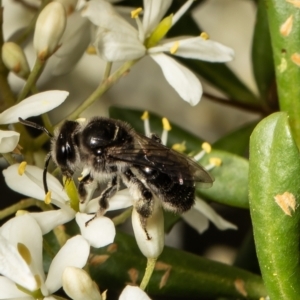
(286, 45)
(273, 187)
(176, 135)
(182, 274)
(262, 54)
(231, 180)
(236, 142)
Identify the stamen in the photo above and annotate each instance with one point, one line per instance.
(181, 11)
(91, 50)
(179, 147)
(166, 127)
(135, 13)
(174, 48)
(145, 118)
(48, 198)
(213, 162)
(206, 149)
(22, 167)
(204, 35)
(25, 253)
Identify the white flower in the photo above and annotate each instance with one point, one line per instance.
(32, 106)
(117, 40)
(23, 264)
(99, 233)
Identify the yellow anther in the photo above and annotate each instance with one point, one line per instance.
(216, 161)
(21, 212)
(25, 253)
(135, 13)
(174, 48)
(145, 115)
(206, 147)
(179, 147)
(80, 178)
(48, 198)
(22, 167)
(166, 124)
(204, 35)
(91, 50)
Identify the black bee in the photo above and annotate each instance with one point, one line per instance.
(114, 150)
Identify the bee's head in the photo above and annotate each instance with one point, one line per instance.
(64, 147)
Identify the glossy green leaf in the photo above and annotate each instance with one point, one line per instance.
(182, 274)
(176, 135)
(236, 142)
(274, 192)
(231, 180)
(284, 23)
(262, 54)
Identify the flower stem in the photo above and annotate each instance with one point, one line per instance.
(148, 273)
(107, 70)
(33, 77)
(23, 204)
(9, 158)
(101, 89)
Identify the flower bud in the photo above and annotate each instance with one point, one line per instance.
(151, 248)
(14, 59)
(49, 29)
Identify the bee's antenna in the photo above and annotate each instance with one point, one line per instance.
(35, 125)
(48, 157)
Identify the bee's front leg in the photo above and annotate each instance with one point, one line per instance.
(105, 196)
(86, 188)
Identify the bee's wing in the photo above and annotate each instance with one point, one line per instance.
(147, 152)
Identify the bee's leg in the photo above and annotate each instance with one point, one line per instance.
(144, 206)
(86, 188)
(111, 189)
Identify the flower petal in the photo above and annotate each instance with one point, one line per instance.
(75, 41)
(202, 207)
(31, 183)
(153, 13)
(14, 267)
(102, 14)
(122, 199)
(48, 220)
(196, 48)
(74, 253)
(8, 140)
(133, 292)
(20, 230)
(151, 243)
(185, 83)
(116, 46)
(196, 220)
(9, 290)
(33, 106)
(99, 232)
(78, 285)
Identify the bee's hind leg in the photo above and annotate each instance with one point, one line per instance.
(110, 190)
(144, 204)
